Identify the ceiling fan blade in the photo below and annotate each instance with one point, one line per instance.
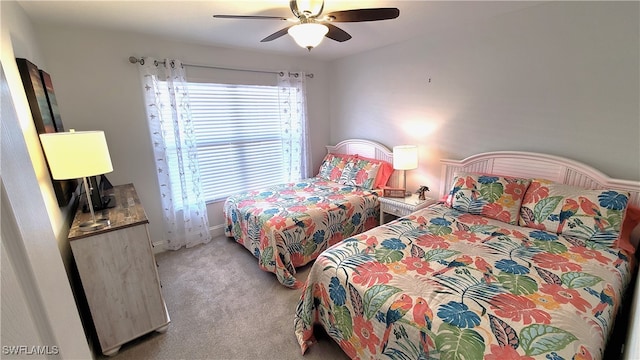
(276, 34)
(358, 15)
(252, 17)
(337, 34)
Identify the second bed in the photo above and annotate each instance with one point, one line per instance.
(288, 225)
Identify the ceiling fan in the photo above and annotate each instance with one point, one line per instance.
(311, 27)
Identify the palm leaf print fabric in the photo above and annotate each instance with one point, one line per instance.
(592, 215)
(444, 284)
(288, 225)
(496, 197)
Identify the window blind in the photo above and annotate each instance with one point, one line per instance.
(238, 135)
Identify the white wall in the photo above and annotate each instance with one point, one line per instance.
(37, 301)
(560, 78)
(98, 89)
(20, 42)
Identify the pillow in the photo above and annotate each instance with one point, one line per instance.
(492, 196)
(631, 220)
(359, 172)
(594, 215)
(332, 166)
(384, 172)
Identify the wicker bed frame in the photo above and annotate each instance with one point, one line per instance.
(536, 165)
(366, 148)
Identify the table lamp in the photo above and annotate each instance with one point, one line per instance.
(405, 157)
(78, 154)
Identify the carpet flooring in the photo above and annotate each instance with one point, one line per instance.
(222, 306)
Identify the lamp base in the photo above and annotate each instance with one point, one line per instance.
(94, 225)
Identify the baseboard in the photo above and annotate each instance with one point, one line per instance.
(215, 231)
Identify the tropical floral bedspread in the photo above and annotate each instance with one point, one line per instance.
(445, 284)
(288, 225)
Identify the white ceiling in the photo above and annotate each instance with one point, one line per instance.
(192, 21)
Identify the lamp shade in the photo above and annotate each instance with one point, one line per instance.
(308, 35)
(405, 157)
(73, 155)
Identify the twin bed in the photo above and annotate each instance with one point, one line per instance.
(519, 261)
(288, 225)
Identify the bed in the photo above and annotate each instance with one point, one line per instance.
(286, 226)
(519, 261)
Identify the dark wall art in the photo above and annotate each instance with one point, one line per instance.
(44, 110)
(51, 100)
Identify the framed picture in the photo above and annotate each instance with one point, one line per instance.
(51, 100)
(45, 116)
(36, 96)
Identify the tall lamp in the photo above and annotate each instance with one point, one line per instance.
(405, 157)
(78, 154)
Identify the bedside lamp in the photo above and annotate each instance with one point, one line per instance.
(405, 157)
(73, 155)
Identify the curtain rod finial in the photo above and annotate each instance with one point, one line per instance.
(133, 59)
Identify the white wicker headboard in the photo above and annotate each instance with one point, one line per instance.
(366, 148)
(535, 165)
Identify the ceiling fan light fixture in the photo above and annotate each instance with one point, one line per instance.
(306, 8)
(308, 35)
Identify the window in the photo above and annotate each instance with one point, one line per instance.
(239, 137)
(243, 141)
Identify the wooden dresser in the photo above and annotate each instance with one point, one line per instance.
(118, 272)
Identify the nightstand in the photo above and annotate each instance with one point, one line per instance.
(402, 206)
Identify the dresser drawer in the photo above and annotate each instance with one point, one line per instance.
(400, 207)
(394, 209)
(119, 273)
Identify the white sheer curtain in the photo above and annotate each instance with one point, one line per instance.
(293, 116)
(174, 147)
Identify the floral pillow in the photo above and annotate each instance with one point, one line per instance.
(492, 196)
(594, 215)
(384, 172)
(360, 172)
(332, 166)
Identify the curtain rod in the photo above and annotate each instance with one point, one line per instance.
(133, 60)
